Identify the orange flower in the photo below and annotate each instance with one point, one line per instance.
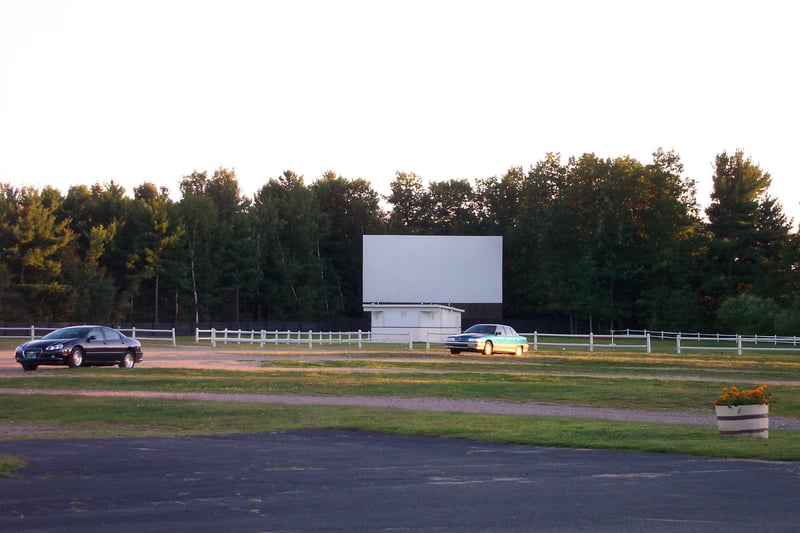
(738, 396)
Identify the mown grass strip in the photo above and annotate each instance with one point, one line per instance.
(752, 370)
(76, 417)
(602, 391)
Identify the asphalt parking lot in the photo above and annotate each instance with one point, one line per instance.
(349, 481)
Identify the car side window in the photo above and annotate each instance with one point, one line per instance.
(111, 335)
(95, 334)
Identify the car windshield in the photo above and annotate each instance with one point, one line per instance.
(481, 328)
(66, 333)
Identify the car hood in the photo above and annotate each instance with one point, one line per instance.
(467, 336)
(44, 343)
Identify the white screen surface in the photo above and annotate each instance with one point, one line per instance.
(432, 269)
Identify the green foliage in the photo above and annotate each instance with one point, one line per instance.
(608, 242)
(349, 209)
(787, 322)
(748, 315)
(408, 197)
(750, 234)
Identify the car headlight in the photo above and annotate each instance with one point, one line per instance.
(53, 347)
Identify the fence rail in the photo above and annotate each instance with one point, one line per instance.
(712, 337)
(724, 342)
(27, 332)
(309, 338)
(33, 333)
(143, 334)
(627, 339)
(590, 341)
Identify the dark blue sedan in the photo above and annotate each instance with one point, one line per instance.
(77, 346)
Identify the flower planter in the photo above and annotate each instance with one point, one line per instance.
(743, 420)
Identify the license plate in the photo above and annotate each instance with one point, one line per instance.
(31, 355)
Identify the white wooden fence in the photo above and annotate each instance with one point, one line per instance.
(309, 337)
(26, 332)
(627, 339)
(591, 341)
(142, 334)
(724, 342)
(32, 333)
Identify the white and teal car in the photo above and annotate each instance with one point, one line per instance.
(488, 339)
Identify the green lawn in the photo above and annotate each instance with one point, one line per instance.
(610, 379)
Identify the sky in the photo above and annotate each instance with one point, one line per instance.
(149, 91)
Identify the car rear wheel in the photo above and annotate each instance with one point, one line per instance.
(455, 352)
(76, 358)
(488, 348)
(518, 351)
(127, 360)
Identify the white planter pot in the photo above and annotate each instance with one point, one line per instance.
(743, 420)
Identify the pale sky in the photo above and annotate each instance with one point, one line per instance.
(134, 91)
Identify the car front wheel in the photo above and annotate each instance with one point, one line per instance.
(487, 348)
(76, 358)
(127, 360)
(29, 366)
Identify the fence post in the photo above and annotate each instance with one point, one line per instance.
(213, 337)
(738, 345)
(648, 343)
(359, 338)
(310, 339)
(591, 341)
(428, 341)
(33, 332)
(535, 340)
(410, 340)
(678, 339)
(174, 342)
(133, 332)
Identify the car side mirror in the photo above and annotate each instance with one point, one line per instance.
(91, 338)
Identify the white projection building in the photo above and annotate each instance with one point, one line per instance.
(420, 285)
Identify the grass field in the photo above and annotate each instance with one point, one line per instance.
(623, 380)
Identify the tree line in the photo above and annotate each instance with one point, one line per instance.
(614, 242)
